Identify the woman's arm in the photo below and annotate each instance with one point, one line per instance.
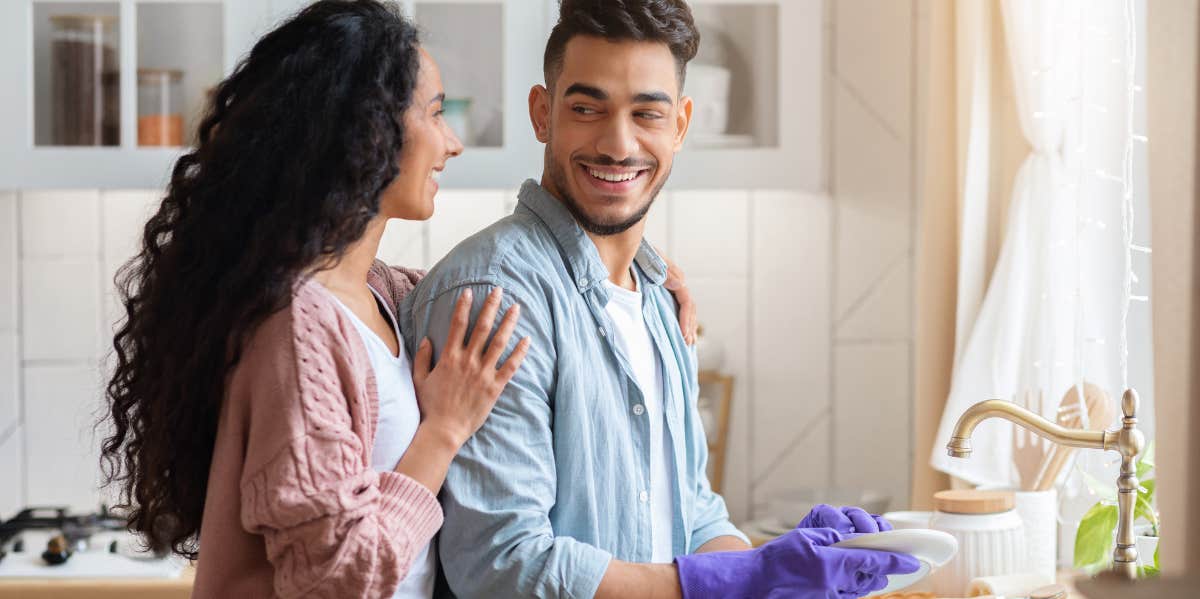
(457, 396)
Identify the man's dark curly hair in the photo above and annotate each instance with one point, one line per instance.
(291, 158)
(664, 21)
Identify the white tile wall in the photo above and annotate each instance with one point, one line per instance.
(404, 244)
(66, 223)
(658, 223)
(61, 311)
(60, 409)
(10, 372)
(872, 176)
(873, 153)
(459, 214)
(124, 213)
(9, 227)
(710, 232)
(884, 313)
(873, 56)
(872, 425)
(12, 472)
(790, 320)
(723, 304)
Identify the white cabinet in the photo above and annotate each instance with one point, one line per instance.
(758, 82)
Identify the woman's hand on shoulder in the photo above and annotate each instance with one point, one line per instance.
(456, 396)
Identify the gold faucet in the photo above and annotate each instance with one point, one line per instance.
(1127, 440)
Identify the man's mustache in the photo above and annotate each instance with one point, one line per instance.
(603, 160)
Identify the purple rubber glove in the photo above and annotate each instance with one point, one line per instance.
(844, 520)
(798, 565)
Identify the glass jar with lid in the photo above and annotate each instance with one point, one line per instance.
(160, 111)
(85, 80)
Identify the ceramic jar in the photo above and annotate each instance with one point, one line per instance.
(991, 538)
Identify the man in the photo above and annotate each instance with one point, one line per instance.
(588, 479)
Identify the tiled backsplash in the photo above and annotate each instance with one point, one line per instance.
(758, 263)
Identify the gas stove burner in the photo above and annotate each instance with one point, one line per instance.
(73, 531)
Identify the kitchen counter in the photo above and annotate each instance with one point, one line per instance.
(108, 588)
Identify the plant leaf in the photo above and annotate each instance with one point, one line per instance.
(1094, 539)
(1148, 455)
(1105, 491)
(1156, 546)
(1144, 510)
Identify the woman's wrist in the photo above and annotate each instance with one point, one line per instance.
(429, 456)
(443, 435)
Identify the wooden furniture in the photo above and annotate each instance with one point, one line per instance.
(112, 588)
(718, 445)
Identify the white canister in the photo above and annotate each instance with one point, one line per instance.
(1039, 515)
(991, 538)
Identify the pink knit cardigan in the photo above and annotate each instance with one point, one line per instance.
(293, 506)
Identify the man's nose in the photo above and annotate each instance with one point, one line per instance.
(617, 140)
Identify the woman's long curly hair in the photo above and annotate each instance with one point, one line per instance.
(290, 161)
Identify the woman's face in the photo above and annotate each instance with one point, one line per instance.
(428, 144)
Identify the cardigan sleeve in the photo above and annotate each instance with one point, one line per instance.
(333, 526)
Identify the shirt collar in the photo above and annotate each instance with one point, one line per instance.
(581, 254)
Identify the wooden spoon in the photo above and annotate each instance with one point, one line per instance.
(1100, 411)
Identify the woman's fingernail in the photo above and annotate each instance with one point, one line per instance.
(424, 341)
(497, 292)
(467, 293)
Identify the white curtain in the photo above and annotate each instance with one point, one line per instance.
(1052, 312)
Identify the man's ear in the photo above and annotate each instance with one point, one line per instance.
(683, 120)
(539, 112)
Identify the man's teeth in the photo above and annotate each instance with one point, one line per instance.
(436, 175)
(614, 177)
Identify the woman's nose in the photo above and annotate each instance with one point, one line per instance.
(454, 145)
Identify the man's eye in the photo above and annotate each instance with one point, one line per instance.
(647, 115)
(583, 109)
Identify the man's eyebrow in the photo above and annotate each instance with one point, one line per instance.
(438, 98)
(649, 97)
(587, 90)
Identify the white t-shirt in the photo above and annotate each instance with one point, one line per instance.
(630, 330)
(399, 416)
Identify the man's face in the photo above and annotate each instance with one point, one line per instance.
(612, 126)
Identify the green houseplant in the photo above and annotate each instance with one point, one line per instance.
(1095, 537)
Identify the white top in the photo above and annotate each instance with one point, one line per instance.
(629, 327)
(398, 420)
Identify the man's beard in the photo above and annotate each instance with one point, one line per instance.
(558, 176)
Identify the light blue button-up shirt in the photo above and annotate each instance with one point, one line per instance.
(555, 484)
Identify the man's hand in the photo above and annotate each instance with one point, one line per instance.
(846, 519)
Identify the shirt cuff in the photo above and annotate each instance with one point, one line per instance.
(586, 567)
(721, 528)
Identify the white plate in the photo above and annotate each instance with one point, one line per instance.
(933, 548)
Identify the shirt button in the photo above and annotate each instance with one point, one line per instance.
(583, 283)
(644, 497)
(639, 409)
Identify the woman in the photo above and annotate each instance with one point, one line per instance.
(262, 405)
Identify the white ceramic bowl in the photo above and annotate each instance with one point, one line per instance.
(933, 548)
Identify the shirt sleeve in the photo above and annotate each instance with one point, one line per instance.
(498, 540)
(712, 517)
